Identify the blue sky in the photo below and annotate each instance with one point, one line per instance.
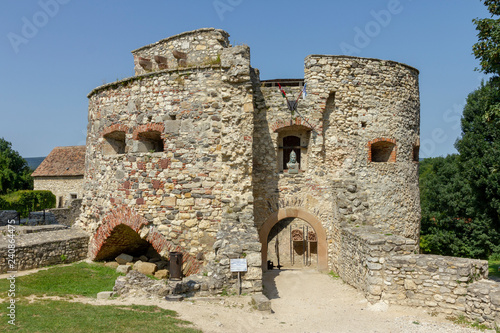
(54, 52)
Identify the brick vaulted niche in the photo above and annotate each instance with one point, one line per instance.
(382, 150)
(190, 155)
(124, 231)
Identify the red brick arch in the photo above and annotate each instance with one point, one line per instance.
(392, 157)
(114, 128)
(125, 216)
(151, 127)
(298, 122)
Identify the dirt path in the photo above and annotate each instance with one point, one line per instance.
(302, 301)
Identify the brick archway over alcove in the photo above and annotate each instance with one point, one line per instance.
(134, 226)
(304, 215)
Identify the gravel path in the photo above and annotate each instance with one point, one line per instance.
(302, 301)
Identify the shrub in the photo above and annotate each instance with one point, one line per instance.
(4, 204)
(29, 201)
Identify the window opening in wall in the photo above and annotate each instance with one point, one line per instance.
(173, 117)
(74, 196)
(363, 124)
(114, 143)
(416, 151)
(383, 151)
(60, 204)
(290, 143)
(150, 141)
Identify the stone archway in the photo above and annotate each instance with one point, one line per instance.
(304, 215)
(127, 223)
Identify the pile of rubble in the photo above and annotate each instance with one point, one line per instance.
(151, 264)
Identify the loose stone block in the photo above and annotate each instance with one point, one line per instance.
(104, 295)
(124, 269)
(162, 274)
(123, 258)
(261, 302)
(146, 268)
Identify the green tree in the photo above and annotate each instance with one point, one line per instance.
(14, 171)
(460, 194)
(449, 223)
(487, 50)
(479, 149)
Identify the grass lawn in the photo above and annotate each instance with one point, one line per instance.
(60, 316)
(63, 316)
(78, 279)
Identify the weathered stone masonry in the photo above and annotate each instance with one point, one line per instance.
(191, 155)
(174, 147)
(41, 246)
(194, 145)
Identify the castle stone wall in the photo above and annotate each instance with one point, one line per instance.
(351, 104)
(199, 48)
(43, 246)
(362, 100)
(385, 267)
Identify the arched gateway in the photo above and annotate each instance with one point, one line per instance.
(297, 213)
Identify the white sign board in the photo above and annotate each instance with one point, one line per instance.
(238, 265)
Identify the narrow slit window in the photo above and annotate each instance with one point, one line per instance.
(416, 153)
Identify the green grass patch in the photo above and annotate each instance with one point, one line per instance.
(493, 266)
(333, 275)
(464, 322)
(78, 279)
(60, 316)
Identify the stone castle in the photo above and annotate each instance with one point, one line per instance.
(191, 154)
(197, 161)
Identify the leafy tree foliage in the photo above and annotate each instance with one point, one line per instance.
(460, 194)
(447, 225)
(479, 150)
(14, 171)
(487, 50)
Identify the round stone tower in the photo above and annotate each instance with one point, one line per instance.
(169, 158)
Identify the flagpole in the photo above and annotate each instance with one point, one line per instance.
(283, 93)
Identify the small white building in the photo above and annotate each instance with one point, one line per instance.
(61, 172)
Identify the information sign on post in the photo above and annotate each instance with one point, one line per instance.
(238, 265)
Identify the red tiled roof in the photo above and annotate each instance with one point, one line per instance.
(62, 161)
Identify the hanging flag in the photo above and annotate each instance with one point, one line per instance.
(281, 90)
(304, 93)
